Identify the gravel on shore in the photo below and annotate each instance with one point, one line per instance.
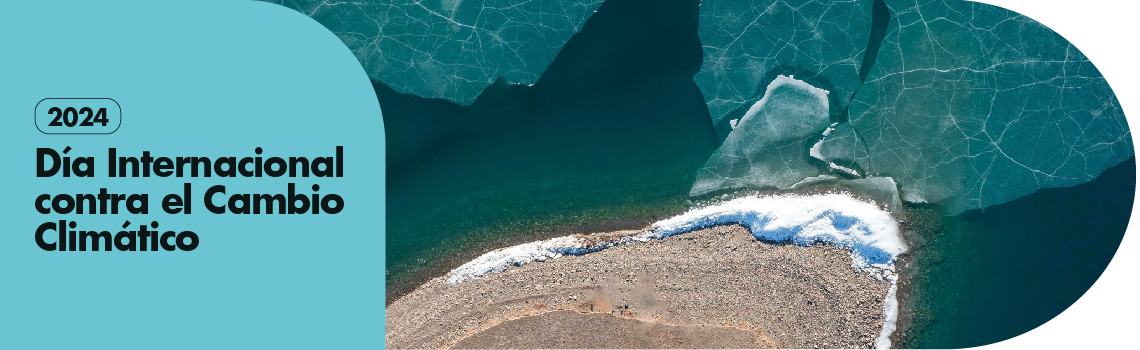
(563, 329)
(707, 280)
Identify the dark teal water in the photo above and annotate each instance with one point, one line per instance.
(609, 137)
(989, 275)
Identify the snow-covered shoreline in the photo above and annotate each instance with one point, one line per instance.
(866, 229)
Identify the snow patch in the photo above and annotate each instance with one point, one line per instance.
(500, 259)
(838, 219)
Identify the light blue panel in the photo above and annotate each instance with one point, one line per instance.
(208, 79)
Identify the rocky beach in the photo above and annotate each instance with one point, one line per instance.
(712, 287)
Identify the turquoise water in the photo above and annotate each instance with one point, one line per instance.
(609, 137)
(992, 116)
(988, 275)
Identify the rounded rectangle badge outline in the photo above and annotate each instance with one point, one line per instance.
(36, 118)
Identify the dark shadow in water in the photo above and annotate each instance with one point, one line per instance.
(996, 273)
(880, 20)
(614, 128)
(416, 126)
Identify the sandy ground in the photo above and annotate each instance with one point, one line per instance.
(716, 287)
(577, 330)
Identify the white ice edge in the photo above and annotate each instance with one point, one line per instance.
(890, 314)
(815, 152)
(843, 169)
(865, 228)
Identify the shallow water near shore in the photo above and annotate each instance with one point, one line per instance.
(609, 137)
(612, 136)
(989, 275)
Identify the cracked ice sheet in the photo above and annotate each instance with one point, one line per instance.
(967, 104)
(975, 105)
(842, 143)
(747, 42)
(766, 149)
(451, 49)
